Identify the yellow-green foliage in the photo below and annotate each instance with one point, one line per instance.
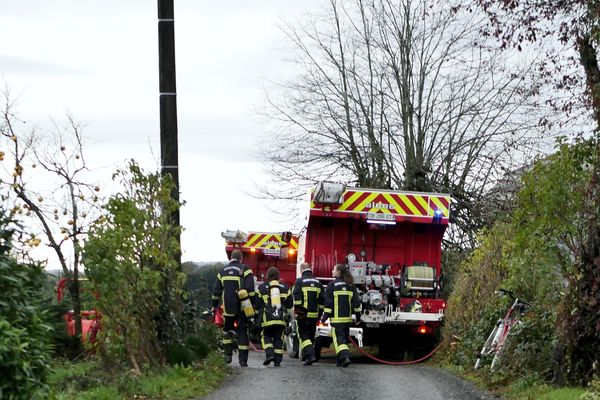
(472, 308)
(530, 253)
(130, 256)
(593, 391)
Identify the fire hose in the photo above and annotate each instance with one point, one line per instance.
(393, 362)
(261, 350)
(375, 358)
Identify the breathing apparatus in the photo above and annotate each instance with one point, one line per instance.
(275, 295)
(246, 303)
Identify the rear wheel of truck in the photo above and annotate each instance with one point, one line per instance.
(391, 342)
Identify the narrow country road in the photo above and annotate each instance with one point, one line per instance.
(323, 380)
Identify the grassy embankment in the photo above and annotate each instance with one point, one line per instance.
(88, 380)
(520, 389)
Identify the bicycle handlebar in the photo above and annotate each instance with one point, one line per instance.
(506, 292)
(511, 295)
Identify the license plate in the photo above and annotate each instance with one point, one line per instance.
(380, 216)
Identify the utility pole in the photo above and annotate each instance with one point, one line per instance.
(168, 101)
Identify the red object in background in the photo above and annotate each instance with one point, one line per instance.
(90, 319)
(218, 317)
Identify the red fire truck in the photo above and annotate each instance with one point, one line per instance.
(391, 241)
(262, 250)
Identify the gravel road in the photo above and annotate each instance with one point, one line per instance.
(323, 380)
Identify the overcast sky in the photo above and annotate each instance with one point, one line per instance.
(98, 60)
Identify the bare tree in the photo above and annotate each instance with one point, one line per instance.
(407, 95)
(44, 175)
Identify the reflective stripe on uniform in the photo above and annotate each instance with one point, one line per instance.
(231, 278)
(305, 343)
(278, 351)
(264, 344)
(242, 347)
(273, 322)
(247, 272)
(341, 320)
(336, 346)
(336, 294)
(305, 291)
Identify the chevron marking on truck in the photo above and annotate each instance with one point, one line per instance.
(268, 241)
(442, 203)
(389, 202)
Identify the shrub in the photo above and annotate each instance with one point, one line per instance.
(131, 258)
(593, 391)
(211, 334)
(179, 354)
(198, 346)
(25, 334)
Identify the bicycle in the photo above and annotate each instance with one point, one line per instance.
(497, 338)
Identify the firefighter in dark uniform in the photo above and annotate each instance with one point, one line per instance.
(309, 302)
(341, 301)
(230, 279)
(274, 301)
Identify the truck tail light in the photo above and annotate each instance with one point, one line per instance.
(423, 330)
(253, 250)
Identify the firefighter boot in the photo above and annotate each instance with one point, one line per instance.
(278, 358)
(346, 361)
(228, 350)
(243, 357)
(310, 359)
(269, 356)
(308, 354)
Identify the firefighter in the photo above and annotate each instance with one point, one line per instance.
(274, 301)
(233, 280)
(341, 301)
(308, 307)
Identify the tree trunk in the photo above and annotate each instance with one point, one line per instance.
(75, 292)
(589, 61)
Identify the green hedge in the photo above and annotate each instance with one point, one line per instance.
(25, 333)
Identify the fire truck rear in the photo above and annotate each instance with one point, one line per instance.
(391, 242)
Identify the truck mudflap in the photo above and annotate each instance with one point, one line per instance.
(400, 317)
(356, 333)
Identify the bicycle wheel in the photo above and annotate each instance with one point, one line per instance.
(496, 361)
(487, 348)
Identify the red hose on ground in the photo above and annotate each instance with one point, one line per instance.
(254, 348)
(393, 362)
